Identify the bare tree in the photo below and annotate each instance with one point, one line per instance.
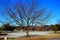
(20, 15)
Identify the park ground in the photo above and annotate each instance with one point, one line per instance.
(43, 37)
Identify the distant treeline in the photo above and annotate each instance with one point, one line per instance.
(7, 27)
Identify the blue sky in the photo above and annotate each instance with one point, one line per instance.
(50, 5)
(54, 7)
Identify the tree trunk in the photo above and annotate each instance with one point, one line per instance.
(27, 33)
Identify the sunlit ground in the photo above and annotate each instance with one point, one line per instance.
(43, 37)
(46, 37)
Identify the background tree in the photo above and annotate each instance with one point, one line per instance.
(55, 28)
(58, 27)
(7, 27)
(26, 15)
